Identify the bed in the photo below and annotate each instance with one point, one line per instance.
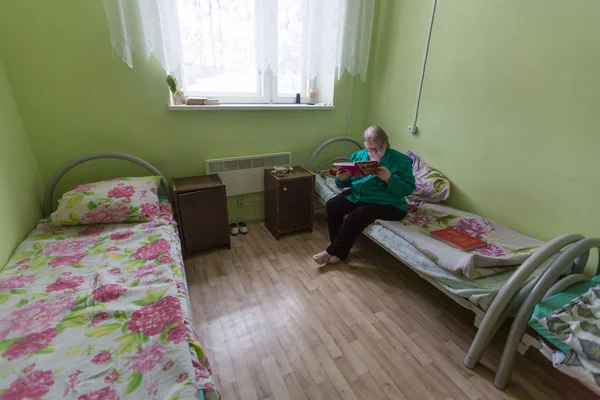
(569, 331)
(493, 296)
(100, 311)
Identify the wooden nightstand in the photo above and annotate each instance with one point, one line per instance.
(289, 201)
(201, 212)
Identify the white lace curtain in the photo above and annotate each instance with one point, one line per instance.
(316, 36)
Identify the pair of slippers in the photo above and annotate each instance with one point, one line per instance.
(236, 227)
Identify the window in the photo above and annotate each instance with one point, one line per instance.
(253, 51)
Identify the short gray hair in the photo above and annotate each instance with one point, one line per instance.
(376, 134)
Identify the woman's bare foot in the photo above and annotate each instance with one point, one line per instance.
(322, 257)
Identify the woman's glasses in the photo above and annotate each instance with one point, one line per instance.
(373, 149)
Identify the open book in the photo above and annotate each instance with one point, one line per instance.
(360, 168)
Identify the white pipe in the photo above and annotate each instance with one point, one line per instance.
(424, 63)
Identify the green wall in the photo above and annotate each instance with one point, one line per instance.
(20, 184)
(75, 97)
(509, 108)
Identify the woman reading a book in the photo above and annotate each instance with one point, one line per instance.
(377, 195)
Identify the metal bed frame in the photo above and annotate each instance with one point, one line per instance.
(517, 297)
(56, 177)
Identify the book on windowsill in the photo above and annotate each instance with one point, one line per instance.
(360, 168)
(202, 101)
(458, 239)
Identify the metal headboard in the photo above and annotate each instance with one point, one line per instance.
(49, 192)
(332, 160)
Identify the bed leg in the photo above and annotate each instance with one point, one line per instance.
(477, 321)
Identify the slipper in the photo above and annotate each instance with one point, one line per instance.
(233, 228)
(242, 227)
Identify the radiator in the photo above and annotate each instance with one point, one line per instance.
(246, 174)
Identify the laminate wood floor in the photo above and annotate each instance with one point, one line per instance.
(275, 326)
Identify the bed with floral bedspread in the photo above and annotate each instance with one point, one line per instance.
(100, 312)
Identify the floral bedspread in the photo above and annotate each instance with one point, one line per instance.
(577, 324)
(99, 312)
(505, 251)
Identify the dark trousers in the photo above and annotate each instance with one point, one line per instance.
(346, 220)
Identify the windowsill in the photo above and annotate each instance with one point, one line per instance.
(248, 107)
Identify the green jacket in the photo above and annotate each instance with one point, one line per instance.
(371, 189)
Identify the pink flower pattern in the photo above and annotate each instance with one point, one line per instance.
(475, 227)
(421, 220)
(102, 358)
(84, 188)
(66, 260)
(150, 251)
(177, 334)
(70, 283)
(92, 231)
(168, 365)
(33, 386)
(52, 229)
(114, 271)
(153, 318)
(492, 250)
(106, 393)
(30, 344)
(107, 214)
(111, 377)
(121, 235)
(39, 315)
(98, 318)
(149, 210)
(121, 191)
(165, 211)
(164, 259)
(68, 247)
(109, 292)
(144, 271)
(28, 368)
(145, 359)
(16, 282)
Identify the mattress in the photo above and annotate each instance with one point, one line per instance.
(100, 311)
(479, 292)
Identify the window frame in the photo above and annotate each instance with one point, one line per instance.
(267, 80)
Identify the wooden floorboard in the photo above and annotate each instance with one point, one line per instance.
(275, 326)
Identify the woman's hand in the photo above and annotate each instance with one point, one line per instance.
(343, 175)
(383, 174)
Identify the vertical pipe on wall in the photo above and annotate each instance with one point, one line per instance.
(416, 117)
(349, 111)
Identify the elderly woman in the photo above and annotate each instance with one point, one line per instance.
(379, 196)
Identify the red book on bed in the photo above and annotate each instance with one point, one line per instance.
(458, 239)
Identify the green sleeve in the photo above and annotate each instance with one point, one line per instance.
(402, 182)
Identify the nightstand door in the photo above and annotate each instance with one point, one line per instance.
(204, 219)
(296, 205)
